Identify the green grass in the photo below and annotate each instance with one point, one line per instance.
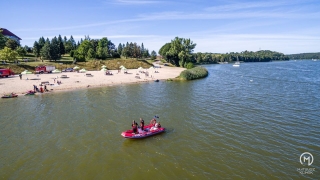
(89, 65)
(67, 62)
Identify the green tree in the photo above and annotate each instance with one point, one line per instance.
(82, 51)
(146, 53)
(45, 51)
(21, 52)
(8, 54)
(180, 52)
(102, 49)
(36, 49)
(153, 55)
(142, 50)
(61, 46)
(91, 54)
(3, 40)
(41, 42)
(55, 49)
(164, 52)
(120, 48)
(27, 48)
(12, 44)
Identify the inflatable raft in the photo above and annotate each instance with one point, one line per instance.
(148, 131)
(9, 96)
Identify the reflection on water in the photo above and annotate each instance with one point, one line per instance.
(251, 122)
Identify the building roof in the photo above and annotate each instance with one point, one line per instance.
(6, 32)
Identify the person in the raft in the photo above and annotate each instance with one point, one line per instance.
(155, 127)
(153, 122)
(141, 123)
(133, 123)
(134, 127)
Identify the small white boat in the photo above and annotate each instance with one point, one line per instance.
(237, 63)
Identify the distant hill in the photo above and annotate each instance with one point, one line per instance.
(305, 56)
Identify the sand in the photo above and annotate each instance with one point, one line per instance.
(77, 80)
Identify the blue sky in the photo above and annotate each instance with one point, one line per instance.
(218, 26)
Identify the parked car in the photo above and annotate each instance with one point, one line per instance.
(68, 70)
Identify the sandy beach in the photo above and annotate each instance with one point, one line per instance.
(77, 80)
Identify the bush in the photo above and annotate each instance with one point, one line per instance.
(190, 65)
(194, 73)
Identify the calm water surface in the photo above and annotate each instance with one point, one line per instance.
(251, 122)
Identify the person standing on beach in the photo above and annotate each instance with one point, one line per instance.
(20, 75)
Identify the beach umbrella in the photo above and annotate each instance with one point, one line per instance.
(104, 66)
(56, 71)
(76, 68)
(121, 67)
(83, 70)
(151, 67)
(140, 68)
(26, 72)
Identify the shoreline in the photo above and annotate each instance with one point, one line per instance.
(77, 80)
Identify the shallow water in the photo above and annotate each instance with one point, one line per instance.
(250, 122)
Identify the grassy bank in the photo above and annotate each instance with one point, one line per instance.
(194, 73)
(89, 65)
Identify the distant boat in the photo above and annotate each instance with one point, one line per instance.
(237, 63)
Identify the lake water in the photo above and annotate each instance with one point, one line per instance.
(247, 122)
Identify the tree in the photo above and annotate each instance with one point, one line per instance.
(111, 47)
(164, 52)
(21, 52)
(178, 52)
(41, 42)
(82, 51)
(142, 50)
(153, 55)
(146, 53)
(91, 54)
(12, 44)
(3, 40)
(136, 51)
(8, 54)
(102, 49)
(36, 49)
(120, 48)
(61, 46)
(199, 58)
(27, 48)
(55, 49)
(45, 51)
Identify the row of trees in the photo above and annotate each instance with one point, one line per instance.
(87, 49)
(179, 52)
(245, 56)
(305, 56)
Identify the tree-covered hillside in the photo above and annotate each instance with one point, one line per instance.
(305, 56)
